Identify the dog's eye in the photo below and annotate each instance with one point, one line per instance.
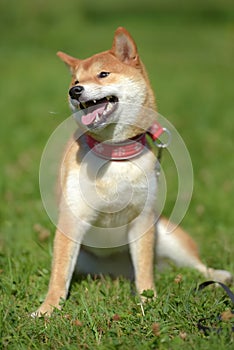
(76, 82)
(103, 74)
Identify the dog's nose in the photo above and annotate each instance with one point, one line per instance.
(76, 91)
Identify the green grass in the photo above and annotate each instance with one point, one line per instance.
(189, 53)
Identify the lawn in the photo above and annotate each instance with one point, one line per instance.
(188, 49)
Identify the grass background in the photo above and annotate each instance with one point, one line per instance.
(188, 49)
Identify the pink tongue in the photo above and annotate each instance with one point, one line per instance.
(89, 118)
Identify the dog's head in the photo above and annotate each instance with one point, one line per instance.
(110, 89)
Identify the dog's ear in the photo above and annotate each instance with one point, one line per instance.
(72, 62)
(124, 47)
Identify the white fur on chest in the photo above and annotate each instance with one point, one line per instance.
(107, 196)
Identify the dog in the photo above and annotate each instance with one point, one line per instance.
(108, 222)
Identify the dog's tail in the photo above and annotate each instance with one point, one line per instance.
(175, 244)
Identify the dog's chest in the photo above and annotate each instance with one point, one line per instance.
(115, 191)
(104, 199)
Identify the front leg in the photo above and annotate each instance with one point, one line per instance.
(142, 254)
(64, 259)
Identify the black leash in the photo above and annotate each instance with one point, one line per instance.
(201, 323)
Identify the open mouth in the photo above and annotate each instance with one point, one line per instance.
(96, 112)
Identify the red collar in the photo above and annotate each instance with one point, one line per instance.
(123, 150)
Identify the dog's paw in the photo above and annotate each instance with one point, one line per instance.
(148, 295)
(43, 311)
(220, 276)
(35, 314)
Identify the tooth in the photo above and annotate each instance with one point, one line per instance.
(108, 108)
(94, 101)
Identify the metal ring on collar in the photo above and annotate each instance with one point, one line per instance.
(162, 144)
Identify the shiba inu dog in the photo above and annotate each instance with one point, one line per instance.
(108, 222)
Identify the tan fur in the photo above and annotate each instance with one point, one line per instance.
(79, 222)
